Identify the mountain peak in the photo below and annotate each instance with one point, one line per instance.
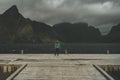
(14, 7)
(12, 11)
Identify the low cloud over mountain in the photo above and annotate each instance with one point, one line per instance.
(94, 12)
(15, 28)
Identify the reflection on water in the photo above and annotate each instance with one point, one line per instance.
(7, 70)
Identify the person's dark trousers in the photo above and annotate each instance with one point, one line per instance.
(57, 52)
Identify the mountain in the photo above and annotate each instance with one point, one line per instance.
(114, 34)
(14, 28)
(77, 32)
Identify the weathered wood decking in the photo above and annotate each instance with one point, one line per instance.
(63, 67)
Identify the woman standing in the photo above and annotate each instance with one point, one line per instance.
(57, 46)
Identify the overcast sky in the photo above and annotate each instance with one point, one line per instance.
(100, 13)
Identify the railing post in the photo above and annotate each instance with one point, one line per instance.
(22, 51)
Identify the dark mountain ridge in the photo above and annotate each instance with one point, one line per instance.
(114, 35)
(77, 32)
(14, 28)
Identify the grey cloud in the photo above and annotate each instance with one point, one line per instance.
(94, 12)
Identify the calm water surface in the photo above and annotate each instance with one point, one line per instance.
(71, 48)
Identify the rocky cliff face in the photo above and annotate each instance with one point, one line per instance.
(114, 34)
(14, 28)
(77, 32)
